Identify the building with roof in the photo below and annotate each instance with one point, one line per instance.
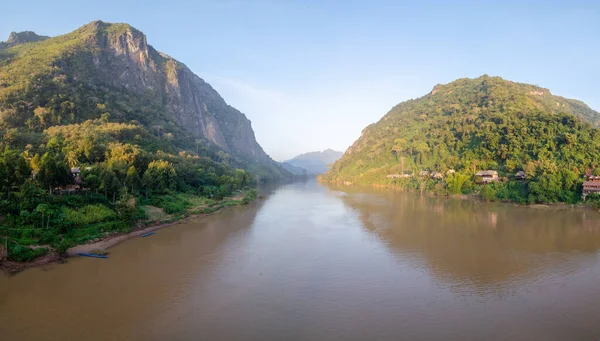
(486, 176)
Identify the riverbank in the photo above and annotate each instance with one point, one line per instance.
(589, 205)
(112, 240)
(100, 245)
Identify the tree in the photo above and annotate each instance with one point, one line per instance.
(110, 184)
(398, 147)
(240, 179)
(422, 148)
(160, 177)
(53, 172)
(455, 182)
(132, 179)
(14, 171)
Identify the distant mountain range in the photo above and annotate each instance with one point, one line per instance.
(313, 162)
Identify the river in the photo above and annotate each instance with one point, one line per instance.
(310, 262)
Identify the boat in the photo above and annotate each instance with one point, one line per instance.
(93, 255)
(147, 234)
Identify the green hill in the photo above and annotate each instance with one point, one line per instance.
(99, 132)
(109, 70)
(478, 124)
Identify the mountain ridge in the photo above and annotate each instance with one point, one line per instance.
(100, 57)
(17, 38)
(316, 162)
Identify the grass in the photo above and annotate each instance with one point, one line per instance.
(155, 213)
(89, 214)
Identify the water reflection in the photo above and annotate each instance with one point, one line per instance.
(118, 298)
(314, 263)
(475, 246)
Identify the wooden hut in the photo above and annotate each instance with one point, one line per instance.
(437, 175)
(487, 176)
(590, 187)
(520, 175)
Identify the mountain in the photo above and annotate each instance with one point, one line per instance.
(297, 171)
(316, 162)
(110, 71)
(21, 38)
(479, 124)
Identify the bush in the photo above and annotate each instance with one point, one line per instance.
(89, 214)
(487, 193)
(21, 253)
(250, 196)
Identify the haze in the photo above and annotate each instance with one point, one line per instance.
(311, 74)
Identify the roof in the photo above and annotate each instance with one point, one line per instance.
(75, 170)
(520, 173)
(591, 183)
(486, 172)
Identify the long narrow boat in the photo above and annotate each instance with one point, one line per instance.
(93, 255)
(147, 234)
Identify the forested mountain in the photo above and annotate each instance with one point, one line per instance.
(316, 162)
(99, 133)
(109, 71)
(478, 124)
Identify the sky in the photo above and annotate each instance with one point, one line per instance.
(311, 74)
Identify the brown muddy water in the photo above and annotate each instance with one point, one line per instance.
(316, 263)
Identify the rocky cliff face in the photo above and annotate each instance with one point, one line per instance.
(116, 62)
(123, 58)
(16, 38)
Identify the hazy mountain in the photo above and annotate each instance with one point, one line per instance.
(297, 171)
(316, 162)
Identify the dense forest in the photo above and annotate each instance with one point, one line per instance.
(81, 158)
(471, 125)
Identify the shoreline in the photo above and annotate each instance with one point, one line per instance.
(12, 267)
(473, 197)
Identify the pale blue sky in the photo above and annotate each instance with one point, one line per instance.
(312, 74)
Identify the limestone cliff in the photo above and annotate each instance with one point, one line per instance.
(116, 59)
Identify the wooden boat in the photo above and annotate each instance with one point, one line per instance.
(147, 234)
(93, 255)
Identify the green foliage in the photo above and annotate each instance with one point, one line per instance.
(160, 177)
(515, 191)
(478, 124)
(61, 113)
(22, 253)
(89, 214)
(455, 183)
(249, 196)
(487, 193)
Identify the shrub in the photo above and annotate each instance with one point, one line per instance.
(21, 253)
(487, 193)
(89, 214)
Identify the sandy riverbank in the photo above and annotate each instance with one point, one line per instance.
(11, 267)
